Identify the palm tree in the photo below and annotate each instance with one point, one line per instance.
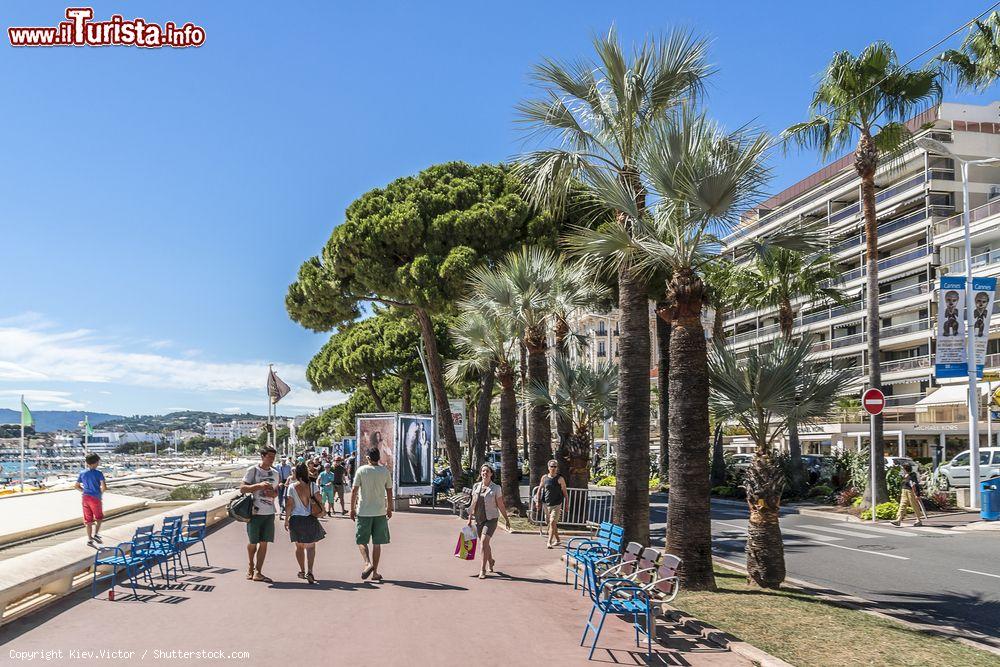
(583, 396)
(488, 342)
(869, 97)
(599, 113)
(699, 178)
(764, 392)
(977, 64)
(776, 279)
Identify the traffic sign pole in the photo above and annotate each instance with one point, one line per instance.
(873, 402)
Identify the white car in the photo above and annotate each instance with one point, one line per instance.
(742, 461)
(956, 472)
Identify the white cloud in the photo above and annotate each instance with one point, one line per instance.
(33, 349)
(43, 399)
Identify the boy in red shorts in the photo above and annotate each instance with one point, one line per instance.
(91, 483)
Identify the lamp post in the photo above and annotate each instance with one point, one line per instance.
(935, 146)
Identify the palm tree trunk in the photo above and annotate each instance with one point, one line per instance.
(405, 395)
(579, 449)
(540, 435)
(564, 427)
(524, 406)
(370, 384)
(663, 384)
(718, 458)
(765, 550)
(865, 163)
(786, 320)
(483, 404)
(446, 427)
(508, 441)
(631, 509)
(689, 522)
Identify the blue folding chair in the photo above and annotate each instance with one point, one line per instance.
(583, 550)
(119, 559)
(165, 546)
(194, 534)
(615, 595)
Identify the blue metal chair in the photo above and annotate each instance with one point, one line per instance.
(583, 550)
(194, 533)
(165, 546)
(618, 596)
(120, 559)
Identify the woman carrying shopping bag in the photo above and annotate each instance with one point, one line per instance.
(486, 508)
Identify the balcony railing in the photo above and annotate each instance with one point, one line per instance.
(847, 341)
(983, 259)
(910, 363)
(975, 215)
(906, 328)
(755, 334)
(906, 292)
(886, 228)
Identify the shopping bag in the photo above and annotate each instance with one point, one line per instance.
(466, 548)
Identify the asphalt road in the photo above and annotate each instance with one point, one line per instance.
(936, 576)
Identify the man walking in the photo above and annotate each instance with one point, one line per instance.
(339, 474)
(262, 480)
(325, 481)
(284, 472)
(909, 495)
(552, 499)
(373, 488)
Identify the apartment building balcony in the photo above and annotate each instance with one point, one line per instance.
(950, 229)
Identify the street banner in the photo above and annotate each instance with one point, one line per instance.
(950, 360)
(983, 293)
(458, 416)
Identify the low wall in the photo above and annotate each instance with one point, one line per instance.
(34, 580)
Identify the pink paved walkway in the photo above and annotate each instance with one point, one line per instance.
(431, 610)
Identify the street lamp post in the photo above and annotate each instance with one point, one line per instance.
(934, 146)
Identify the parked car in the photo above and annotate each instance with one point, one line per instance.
(956, 472)
(893, 461)
(741, 462)
(493, 458)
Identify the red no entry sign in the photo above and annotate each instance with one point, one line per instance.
(873, 401)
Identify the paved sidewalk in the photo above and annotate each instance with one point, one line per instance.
(431, 610)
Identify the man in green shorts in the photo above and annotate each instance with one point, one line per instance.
(262, 481)
(373, 484)
(325, 481)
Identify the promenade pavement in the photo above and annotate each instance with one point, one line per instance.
(431, 609)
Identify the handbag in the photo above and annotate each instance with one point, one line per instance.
(465, 549)
(241, 508)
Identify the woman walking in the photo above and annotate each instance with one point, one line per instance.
(486, 508)
(302, 526)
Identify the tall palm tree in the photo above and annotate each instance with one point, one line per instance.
(976, 65)
(485, 342)
(698, 177)
(773, 386)
(599, 113)
(582, 395)
(777, 279)
(869, 98)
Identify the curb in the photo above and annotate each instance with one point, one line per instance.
(864, 606)
(724, 640)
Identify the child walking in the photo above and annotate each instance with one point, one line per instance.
(91, 483)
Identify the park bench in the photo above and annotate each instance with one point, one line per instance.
(460, 501)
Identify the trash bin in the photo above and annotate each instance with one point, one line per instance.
(990, 499)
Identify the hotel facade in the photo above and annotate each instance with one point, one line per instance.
(920, 238)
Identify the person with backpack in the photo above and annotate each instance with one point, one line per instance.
(909, 496)
(262, 481)
(301, 524)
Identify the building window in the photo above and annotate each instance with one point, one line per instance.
(601, 349)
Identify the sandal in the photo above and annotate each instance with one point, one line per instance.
(302, 575)
(367, 571)
(260, 577)
(250, 573)
(310, 578)
(377, 578)
(492, 563)
(482, 574)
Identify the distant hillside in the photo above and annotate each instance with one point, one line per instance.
(56, 420)
(188, 420)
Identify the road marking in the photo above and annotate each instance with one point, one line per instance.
(985, 574)
(824, 541)
(814, 536)
(935, 531)
(859, 531)
(865, 551)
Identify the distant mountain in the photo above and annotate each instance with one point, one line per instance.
(56, 420)
(187, 420)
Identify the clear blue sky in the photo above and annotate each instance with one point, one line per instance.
(155, 204)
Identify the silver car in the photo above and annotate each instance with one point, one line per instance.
(957, 471)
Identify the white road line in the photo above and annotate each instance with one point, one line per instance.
(865, 551)
(824, 542)
(985, 574)
(860, 532)
(935, 531)
(814, 536)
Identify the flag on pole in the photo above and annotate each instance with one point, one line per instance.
(26, 418)
(276, 388)
(85, 426)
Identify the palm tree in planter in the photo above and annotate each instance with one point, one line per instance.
(598, 115)
(869, 98)
(583, 396)
(487, 342)
(774, 385)
(780, 278)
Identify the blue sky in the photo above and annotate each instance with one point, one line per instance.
(155, 204)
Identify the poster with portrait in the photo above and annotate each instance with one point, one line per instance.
(414, 458)
(458, 416)
(983, 292)
(950, 358)
(377, 431)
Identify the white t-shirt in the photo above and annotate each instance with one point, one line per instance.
(255, 475)
(373, 481)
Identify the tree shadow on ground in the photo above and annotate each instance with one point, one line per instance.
(421, 585)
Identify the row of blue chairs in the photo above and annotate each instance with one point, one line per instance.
(633, 582)
(168, 549)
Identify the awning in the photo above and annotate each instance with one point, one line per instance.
(950, 394)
